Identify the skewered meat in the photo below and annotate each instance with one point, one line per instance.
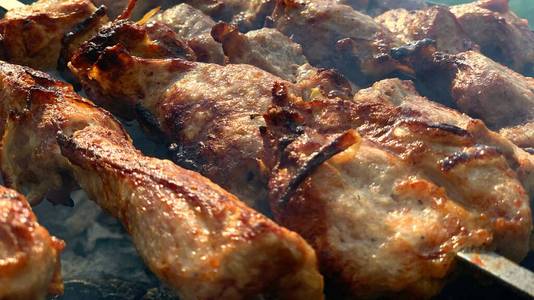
(193, 26)
(521, 135)
(390, 209)
(272, 51)
(436, 23)
(29, 256)
(31, 35)
(198, 238)
(475, 85)
(265, 48)
(212, 112)
(245, 14)
(501, 34)
(342, 38)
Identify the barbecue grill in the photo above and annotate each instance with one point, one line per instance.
(101, 263)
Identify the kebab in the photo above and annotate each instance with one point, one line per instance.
(512, 148)
(463, 192)
(193, 235)
(29, 256)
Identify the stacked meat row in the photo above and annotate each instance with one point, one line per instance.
(286, 104)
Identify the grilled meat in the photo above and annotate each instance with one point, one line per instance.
(521, 135)
(391, 208)
(193, 26)
(272, 51)
(32, 35)
(211, 112)
(29, 256)
(245, 14)
(501, 34)
(342, 38)
(201, 240)
(436, 23)
(474, 84)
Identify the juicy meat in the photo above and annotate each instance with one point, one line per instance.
(245, 14)
(521, 135)
(272, 51)
(501, 34)
(476, 85)
(211, 112)
(436, 23)
(336, 36)
(32, 35)
(199, 239)
(193, 26)
(390, 208)
(29, 256)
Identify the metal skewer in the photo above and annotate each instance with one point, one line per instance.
(505, 271)
(11, 4)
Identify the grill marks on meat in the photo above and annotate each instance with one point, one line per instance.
(32, 35)
(436, 23)
(342, 38)
(29, 256)
(501, 34)
(390, 211)
(193, 235)
(475, 85)
(193, 26)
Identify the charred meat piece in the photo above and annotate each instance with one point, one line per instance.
(436, 23)
(390, 212)
(272, 51)
(29, 256)
(193, 235)
(31, 35)
(501, 34)
(245, 14)
(193, 26)
(474, 84)
(211, 112)
(336, 36)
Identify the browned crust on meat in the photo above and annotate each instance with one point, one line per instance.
(32, 35)
(29, 256)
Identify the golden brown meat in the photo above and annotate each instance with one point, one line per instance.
(272, 51)
(211, 112)
(193, 235)
(436, 23)
(193, 26)
(474, 84)
(29, 256)
(31, 35)
(336, 36)
(391, 208)
(501, 34)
